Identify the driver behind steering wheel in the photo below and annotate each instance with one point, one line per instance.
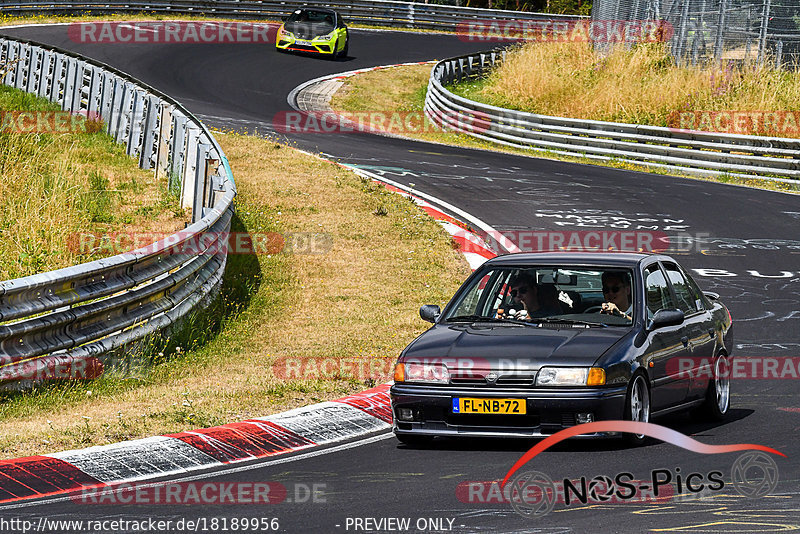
(617, 294)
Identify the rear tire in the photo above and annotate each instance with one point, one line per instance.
(637, 407)
(718, 395)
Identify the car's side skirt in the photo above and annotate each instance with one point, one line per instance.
(679, 407)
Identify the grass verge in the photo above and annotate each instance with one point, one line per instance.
(400, 92)
(12, 20)
(640, 85)
(55, 186)
(358, 300)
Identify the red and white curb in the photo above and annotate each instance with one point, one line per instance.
(177, 454)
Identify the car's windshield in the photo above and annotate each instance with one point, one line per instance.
(324, 20)
(547, 294)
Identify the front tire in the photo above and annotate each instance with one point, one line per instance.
(637, 407)
(718, 395)
(343, 53)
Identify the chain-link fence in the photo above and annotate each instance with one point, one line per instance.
(757, 31)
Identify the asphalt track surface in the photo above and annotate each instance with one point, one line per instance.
(744, 230)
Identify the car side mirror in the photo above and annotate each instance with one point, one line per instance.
(430, 312)
(664, 318)
(711, 295)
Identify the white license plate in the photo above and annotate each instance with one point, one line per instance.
(302, 43)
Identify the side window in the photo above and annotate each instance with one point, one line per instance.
(701, 300)
(687, 300)
(657, 295)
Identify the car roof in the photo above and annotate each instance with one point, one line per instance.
(320, 9)
(611, 259)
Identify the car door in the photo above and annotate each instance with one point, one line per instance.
(699, 329)
(665, 347)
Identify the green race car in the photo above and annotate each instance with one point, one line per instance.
(315, 30)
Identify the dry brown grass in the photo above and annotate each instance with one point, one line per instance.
(360, 300)
(641, 85)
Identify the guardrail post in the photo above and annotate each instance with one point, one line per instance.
(57, 82)
(149, 134)
(95, 94)
(164, 140)
(45, 74)
(69, 84)
(201, 181)
(34, 70)
(119, 110)
(77, 92)
(22, 63)
(177, 152)
(189, 168)
(136, 117)
(107, 98)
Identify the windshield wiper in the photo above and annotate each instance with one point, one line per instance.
(569, 321)
(484, 319)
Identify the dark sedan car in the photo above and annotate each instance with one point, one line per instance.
(534, 343)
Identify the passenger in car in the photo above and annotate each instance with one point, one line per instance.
(617, 294)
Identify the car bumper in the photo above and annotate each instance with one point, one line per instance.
(316, 47)
(547, 411)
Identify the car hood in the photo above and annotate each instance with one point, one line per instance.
(305, 30)
(522, 347)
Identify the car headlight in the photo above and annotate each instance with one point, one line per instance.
(429, 373)
(284, 33)
(326, 37)
(571, 376)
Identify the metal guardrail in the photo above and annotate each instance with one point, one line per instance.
(692, 152)
(70, 316)
(373, 12)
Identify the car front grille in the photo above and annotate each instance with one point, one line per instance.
(304, 47)
(503, 381)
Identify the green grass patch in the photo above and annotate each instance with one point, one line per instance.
(55, 186)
